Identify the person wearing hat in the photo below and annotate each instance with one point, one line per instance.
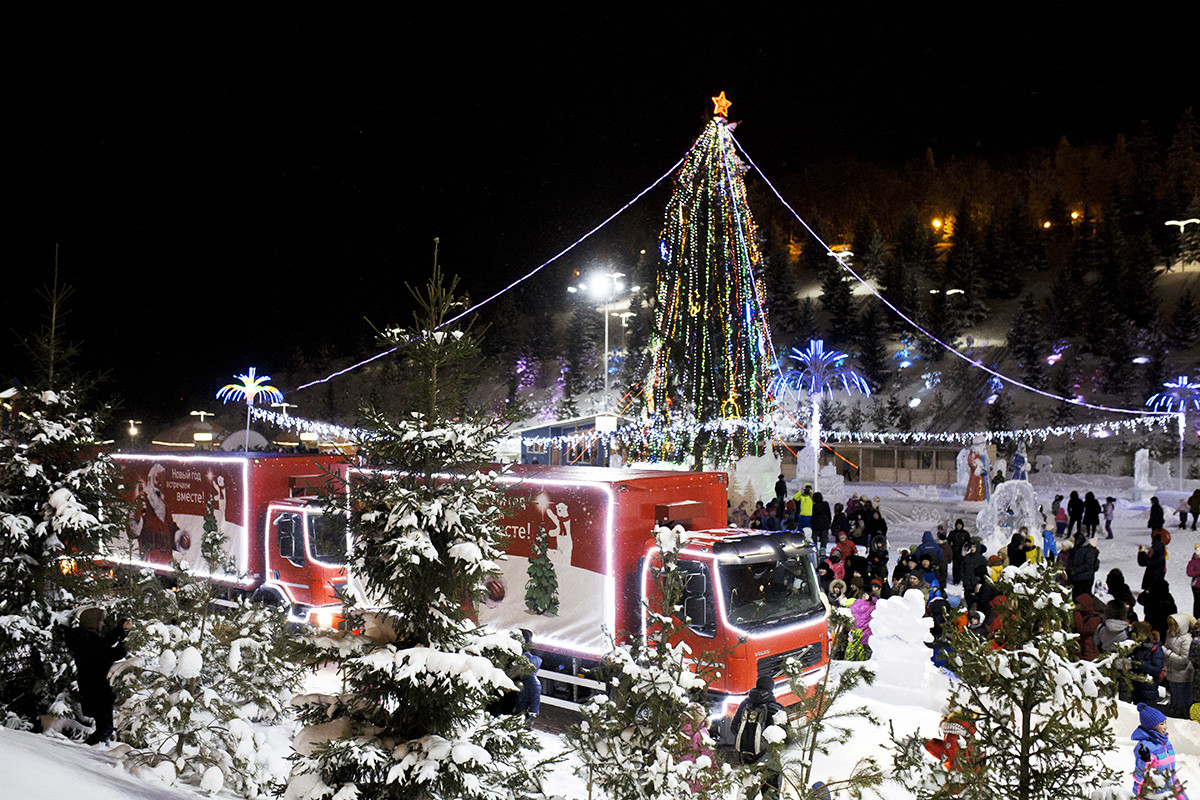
(1154, 753)
(95, 652)
(754, 715)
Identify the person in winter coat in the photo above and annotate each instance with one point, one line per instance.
(822, 518)
(1183, 509)
(928, 545)
(839, 522)
(985, 593)
(1114, 630)
(95, 652)
(1193, 572)
(1087, 622)
(1154, 753)
(1074, 514)
(1160, 605)
(1085, 561)
(1120, 591)
(1179, 664)
(975, 557)
(1194, 505)
(875, 525)
(960, 541)
(1194, 657)
(914, 581)
(844, 546)
(1060, 522)
(1154, 560)
(1033, 553)
(928, 565)
(1157, 518)
(864, 607)
(529, 700)
(824, 576)
(1091, 515)
(755, 714)
(781, 489)
(877, 558)
(1016, 550)
(1149, 661)
(837, 593)
(804, 506)
(1109, 509)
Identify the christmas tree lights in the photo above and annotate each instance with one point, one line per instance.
(709, 346)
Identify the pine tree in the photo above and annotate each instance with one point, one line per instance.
(1183, 162)
(645, 739)
(1185, 321)
(197, 672)
(1041, 717)
(837, 300)
(426, 534)
(963, 268)
(1026, 341)
(872, 347)
(57, 512)
(780, 300)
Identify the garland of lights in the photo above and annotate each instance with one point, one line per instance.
(709, 343)
(300, 425)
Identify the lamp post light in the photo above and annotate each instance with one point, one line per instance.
(1181, 224)
(605, 287)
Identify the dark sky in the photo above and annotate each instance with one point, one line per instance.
(228, 187)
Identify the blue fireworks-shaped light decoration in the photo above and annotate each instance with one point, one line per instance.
(1182, 395)
(249, 389)
(822, 372)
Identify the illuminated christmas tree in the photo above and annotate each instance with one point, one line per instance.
(706, 391)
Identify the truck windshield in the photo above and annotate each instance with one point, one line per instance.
(326, 539)
(769, 593)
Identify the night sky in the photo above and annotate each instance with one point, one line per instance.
(230, 188)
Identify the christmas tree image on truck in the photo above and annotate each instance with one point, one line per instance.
(541, 590)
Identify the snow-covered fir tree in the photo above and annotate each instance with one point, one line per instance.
(647, 737)
(56, 514)
(1039, 718)
(198, 672)
(427, 530)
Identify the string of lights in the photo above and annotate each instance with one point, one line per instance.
(515, 283)
(944, 345)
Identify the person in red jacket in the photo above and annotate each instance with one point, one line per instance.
(1086, 623)
(954, 750)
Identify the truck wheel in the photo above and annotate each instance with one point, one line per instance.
(268, 597)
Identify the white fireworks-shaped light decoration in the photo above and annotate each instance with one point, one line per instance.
(822, 372)
(252, 387)
(1179, 396)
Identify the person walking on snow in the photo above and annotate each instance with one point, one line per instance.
(1110, 507)
(1193, 572)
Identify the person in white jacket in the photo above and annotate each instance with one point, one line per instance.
(1179, 664)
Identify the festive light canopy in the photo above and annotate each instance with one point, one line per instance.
(709, 344)
(823, 371)
(1181, 395)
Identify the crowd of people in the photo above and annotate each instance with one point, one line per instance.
(856, 569)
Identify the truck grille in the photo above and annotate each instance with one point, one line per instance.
(808, 656)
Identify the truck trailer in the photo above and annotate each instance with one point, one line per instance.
(751, 596)
(266, 505)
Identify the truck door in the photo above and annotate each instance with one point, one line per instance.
(285, 552)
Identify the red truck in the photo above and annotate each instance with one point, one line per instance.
(751, 594)
(264, 503)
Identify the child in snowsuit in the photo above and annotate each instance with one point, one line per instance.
(1153, 753)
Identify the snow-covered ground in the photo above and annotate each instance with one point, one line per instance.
(909, 692)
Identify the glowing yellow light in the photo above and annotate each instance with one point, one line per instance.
(324, 619)
(1074, 215)
(67, 565)
(1046, 224)
(937, 223)
(721, 105)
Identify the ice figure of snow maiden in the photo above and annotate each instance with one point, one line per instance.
(977, 462)
(1020, 464)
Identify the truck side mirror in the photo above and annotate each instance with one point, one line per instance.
(696, 610)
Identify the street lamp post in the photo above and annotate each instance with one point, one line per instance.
(604, 286)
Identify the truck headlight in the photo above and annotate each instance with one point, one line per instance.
(324, 619)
